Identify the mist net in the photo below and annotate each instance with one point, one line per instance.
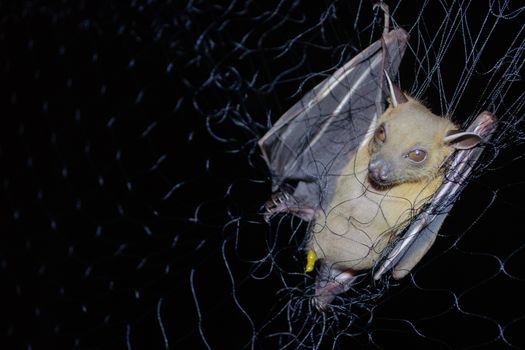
(132, 184)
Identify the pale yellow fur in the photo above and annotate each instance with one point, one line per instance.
(360, 221)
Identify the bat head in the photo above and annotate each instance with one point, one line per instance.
(410, 144)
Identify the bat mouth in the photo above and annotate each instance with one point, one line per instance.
(378, 184)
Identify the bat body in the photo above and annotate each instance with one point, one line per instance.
(363, 174)
(363, 216)
(380, 191)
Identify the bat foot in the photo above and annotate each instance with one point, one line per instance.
(282, 202)
(274, 204)
(330, 283)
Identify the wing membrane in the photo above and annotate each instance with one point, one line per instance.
(317, 136)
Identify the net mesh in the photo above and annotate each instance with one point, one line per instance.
(132, 185)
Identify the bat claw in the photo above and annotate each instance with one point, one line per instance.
(281, 202)
(319, 305)
(386, 10)
(275, 204)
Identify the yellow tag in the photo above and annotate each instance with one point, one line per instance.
(310, 261)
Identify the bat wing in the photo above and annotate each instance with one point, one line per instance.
(422, 232)
(316, 137)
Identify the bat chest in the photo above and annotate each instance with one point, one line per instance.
(359, 222)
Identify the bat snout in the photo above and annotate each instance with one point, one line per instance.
(379, 171)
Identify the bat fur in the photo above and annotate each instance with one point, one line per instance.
(363, 217)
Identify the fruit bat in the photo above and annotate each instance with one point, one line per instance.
(375, 183)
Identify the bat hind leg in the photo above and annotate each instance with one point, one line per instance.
(330, 282)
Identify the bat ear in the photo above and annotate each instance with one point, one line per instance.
(396, 95)
(461, 139)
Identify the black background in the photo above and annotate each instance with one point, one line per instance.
(131, 183)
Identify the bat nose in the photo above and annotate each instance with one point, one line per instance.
(378, 170)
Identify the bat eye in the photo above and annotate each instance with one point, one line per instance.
(417, 155)
(380, 134)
